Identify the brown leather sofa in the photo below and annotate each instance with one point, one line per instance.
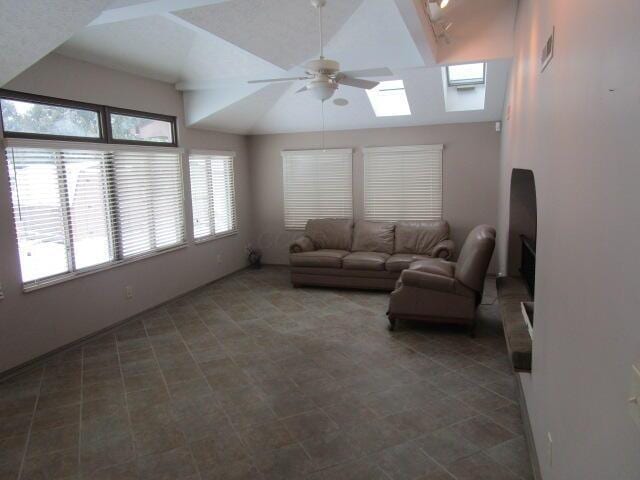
(437, 290)
(367, 255)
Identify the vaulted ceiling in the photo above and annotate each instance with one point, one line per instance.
(210, 48)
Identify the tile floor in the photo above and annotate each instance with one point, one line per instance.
(249, 378)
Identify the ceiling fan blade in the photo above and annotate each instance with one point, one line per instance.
(356, 82)
(289, 79)
(371, 72)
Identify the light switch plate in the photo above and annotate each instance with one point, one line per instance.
(634, 395)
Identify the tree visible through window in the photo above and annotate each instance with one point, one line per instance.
(41, 119)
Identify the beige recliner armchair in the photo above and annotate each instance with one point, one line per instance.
(436, 290)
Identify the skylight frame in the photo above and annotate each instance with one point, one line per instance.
(387, 104)
(468, 81)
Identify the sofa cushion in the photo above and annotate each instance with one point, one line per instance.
(434, 266)
(373, 237)
(420, 237)
(330, 233)
(401, 261)
(365, 261)
(318, 258)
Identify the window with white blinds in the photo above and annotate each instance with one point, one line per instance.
(81, 207)
(317, 184)
(213, 195)
(403, 183)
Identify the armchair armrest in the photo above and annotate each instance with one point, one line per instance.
(415, 278)
(444, 249)
(302, 244)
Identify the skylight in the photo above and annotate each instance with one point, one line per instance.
(389, 99)
(467, 74)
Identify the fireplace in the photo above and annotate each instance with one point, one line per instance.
(523, 224)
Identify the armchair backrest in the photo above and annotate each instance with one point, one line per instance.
(473, 262)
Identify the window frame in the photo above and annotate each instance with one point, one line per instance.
(463, 83)
(104, 120)
(138, 114)
(112, 207)
(54, 102)
(212, 236)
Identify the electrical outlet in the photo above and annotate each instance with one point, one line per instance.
(550, 448)
(128, 292)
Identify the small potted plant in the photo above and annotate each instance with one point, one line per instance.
(255, 257)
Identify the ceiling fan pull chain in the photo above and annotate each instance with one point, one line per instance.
(322, 146)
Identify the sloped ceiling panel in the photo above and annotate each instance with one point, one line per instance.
(282, 32)
(33, 28)
(152, 47)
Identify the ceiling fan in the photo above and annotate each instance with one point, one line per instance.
(325, 75)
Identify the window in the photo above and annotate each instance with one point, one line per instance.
(212, 194)
(317, 184)
(80, 207)
(467, 74)
(33, 116)
(403, 183)
(133, 127)
(389, 99)
(22, 118)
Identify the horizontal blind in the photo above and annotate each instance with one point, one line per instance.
(213, 194)
(148, 189)
(403, 183)
(78, 209)
(317, 184)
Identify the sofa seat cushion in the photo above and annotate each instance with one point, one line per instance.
(434, 266)
(401, 261)
(373, 237)
(318, 258)
(365, 261)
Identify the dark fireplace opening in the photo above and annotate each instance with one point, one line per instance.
(523, 224)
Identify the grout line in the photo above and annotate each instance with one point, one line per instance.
(126, 401)
(33, 418)
(81, 410)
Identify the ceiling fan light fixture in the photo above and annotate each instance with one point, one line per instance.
(322, 90)
(443, 3)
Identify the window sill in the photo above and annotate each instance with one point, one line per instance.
(91, 270)
(209, 238)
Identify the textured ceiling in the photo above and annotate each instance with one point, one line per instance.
(30, 29)
(283, 32)
(212, 47)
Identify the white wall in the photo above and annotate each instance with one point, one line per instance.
(470, 158)
(577, 127)
(34, 323)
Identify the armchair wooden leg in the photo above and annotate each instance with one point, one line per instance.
(392, 324)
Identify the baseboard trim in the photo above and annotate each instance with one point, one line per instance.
(25, 366)
(528, 432)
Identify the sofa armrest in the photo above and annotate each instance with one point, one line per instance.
(302, 244)
(415, 278)
(444, 249)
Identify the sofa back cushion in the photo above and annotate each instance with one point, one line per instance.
(373, 237)
(331, 233)
(420, 237)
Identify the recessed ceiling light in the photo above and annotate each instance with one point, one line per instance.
(389, 99)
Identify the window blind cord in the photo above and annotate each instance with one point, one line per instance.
(15, 176)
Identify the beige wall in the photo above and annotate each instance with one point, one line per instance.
(471, 160)
(577, 127)
(35, 323)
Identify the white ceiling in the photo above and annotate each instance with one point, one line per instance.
(197, 42)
